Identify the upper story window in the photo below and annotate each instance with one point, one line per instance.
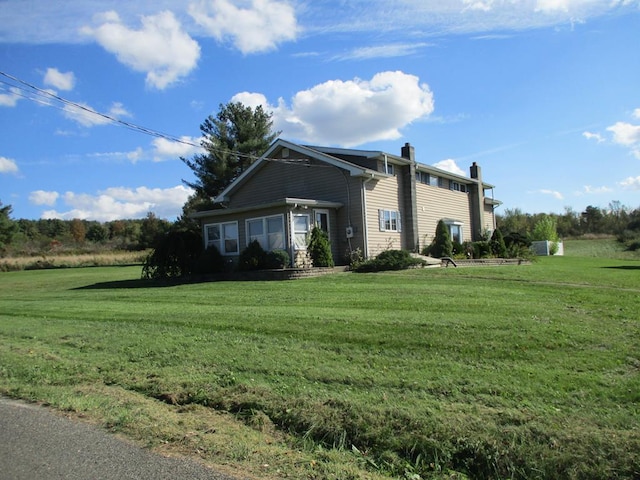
(268, 231)
(435, 181)
(224, 236)
(389, 221)
(457, 186)
(389, 168)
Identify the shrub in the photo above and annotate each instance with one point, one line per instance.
(210, 261)
(354, 258)
(277, 259)
(390, 260)
(174, 256)
(319, 248)
(253, 257)
(481, 249)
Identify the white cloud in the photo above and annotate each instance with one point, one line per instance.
(41, 197)
(625, 133)
(259, 28)
(10, 99)
(89, 117)
(168, 150)
(352, 112)
(632, 183)
(123, 203)
(555, 194)
(589, 190)
(593, 136)
(449, 165)
(383, 51)
(160, 48)
(8, 165)
(636, 113)
(62, 81)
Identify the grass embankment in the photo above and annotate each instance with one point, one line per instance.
(507, 372)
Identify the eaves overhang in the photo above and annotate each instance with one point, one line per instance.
(284, 202)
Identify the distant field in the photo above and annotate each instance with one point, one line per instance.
(483, 372)
(601, 247)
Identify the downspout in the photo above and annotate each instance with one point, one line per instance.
(366, 219)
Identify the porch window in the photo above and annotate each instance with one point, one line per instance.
(224, 236)
(300, 231)
(268, 231)
(389, 221)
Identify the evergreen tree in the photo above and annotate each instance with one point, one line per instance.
(233, 140)
(442, 245)
(319, 248)
(498, 247)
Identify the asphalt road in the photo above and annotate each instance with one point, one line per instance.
(36, 444)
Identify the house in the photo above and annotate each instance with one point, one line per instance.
(364, 199)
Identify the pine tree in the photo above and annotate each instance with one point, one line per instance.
(233, 140)
(320, 249)
(442, 245)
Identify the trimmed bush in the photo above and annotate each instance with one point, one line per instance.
(210, 261)
(498, 247)
(277, 259)
(253, 257)
(390, 260)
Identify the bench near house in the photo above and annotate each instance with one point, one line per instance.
(364, 199)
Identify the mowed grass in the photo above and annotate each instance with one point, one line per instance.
(486, 372)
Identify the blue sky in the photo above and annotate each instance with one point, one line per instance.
(543, 94)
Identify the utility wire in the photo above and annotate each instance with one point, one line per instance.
(79, 108)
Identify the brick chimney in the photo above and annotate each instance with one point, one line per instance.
(410, 201)
(476, 202)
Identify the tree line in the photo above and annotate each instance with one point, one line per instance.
(24, 237)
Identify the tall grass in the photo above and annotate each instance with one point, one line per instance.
(505, 372)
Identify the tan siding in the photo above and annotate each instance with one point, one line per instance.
(384, 194)
(489, 218)
(435, 203)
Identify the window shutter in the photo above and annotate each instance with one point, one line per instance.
(399, 222)
(381, 220)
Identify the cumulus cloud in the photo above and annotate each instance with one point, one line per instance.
(160, 48)
(62, 81)
(258, 28)
(169, 150)
(122, 203)
(89, 117)
(631, 183)
(625, 133)
(352, 112)
(42, 197)
(8, 165)
(10, 99)
(449, 165)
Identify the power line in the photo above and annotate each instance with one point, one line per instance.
(31, 90)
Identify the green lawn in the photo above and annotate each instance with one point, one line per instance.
(486, 372)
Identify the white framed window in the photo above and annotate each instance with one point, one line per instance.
(268, 231)
(301, 230)
(434, 181)
(224, 236)
(389, 169)
(322, 220)
(389, 221)
(455, 228)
